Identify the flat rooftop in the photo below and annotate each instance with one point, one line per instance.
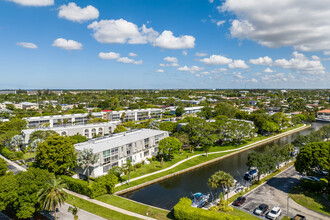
(69, 127)
(105, 143)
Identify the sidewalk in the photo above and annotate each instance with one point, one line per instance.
(123, 211)
(225, 151)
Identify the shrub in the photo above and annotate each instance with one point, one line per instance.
(214, 208)
(101, 185)
(184, 211)
(76, 185)
(154, 158)
(19, 154)
(150, 160)
(8, 154)
(313, 185)
(142, 162)
(138, 165)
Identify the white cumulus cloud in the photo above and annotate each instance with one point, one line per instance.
(35, 3)
(109, 56)
(262, 61)
(216, 60)
(128, 60)
(191, 69)
(122, 31)
(171, 59)
(75, 13)
(27, 45)
(301, 63)
(67, 44)
(168, 41)
(238, 64)
(131, 54)
(184, 53)
(303, 24)
(268, 70)
(160, 71)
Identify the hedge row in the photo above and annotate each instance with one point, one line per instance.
(184, 211)
(101, 185)
(12, 155)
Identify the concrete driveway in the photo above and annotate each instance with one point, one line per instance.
(275, 193)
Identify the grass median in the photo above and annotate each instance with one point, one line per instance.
(135, 207)
(96, 209)
(311, 200)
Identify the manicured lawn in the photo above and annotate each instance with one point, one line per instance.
(156, 166)
(28, 156)
(310, 200)
(242, 214)
(134, 206)
(96, 209)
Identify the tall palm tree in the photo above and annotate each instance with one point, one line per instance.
(86, 158)
(128, 168)
(223, 180)
(17, 142)
(213, 182)
(52, 195)
(33, 146)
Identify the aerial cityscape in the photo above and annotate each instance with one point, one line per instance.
(144, 109)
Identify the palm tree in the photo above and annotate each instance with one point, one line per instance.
(33, 146)
(86, 158)
(52, 195)
(223, 180)
(74, 210)
(16, 142)
(213, 182)
(128, 167)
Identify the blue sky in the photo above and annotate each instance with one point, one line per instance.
(164, 44)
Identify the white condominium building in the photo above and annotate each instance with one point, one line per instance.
(87, 130)
(115, 150)
(58, 120)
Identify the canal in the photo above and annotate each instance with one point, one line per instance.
(166, 194)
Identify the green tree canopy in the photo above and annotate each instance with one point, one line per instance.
(43, 135)
(313, 155)
(179, 111)
(3, 167)
(120, 129)
(169, 145)
(56, 154)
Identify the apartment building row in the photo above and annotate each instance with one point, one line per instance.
(87, 130)
(82, 118)
(115, 150)
(22, 105)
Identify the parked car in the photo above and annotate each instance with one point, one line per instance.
(261, 209)
(239, 201)
(299, 217)
(309, 178)
(274, 213)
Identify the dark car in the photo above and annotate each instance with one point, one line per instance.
(239, 201)
(299, 217)
(261, 209)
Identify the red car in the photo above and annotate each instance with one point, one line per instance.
(239, 201)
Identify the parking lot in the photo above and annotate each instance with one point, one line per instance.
(275, 193)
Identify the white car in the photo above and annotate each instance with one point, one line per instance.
(274, 213)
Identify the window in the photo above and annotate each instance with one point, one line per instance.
(106, 156)
(100, 131)
(86, 133)
(93, 132)
(106, 168)
(63, 133)
(146, 153)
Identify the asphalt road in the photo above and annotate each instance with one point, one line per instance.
(275, 193)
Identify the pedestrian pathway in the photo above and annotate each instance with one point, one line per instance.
(13, 166)
(217, 152)
(114, 208)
